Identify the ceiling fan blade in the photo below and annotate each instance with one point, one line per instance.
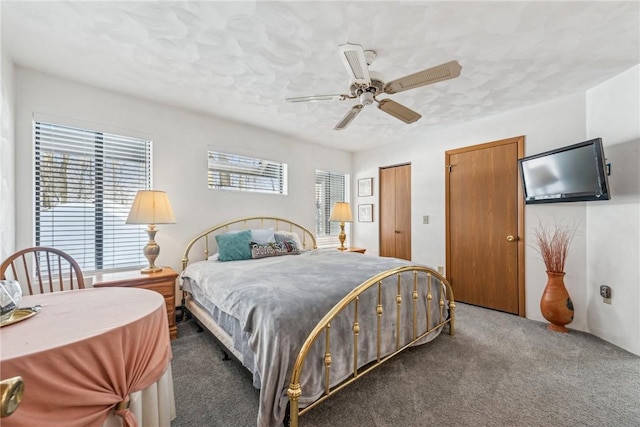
(449, 70)
(398, 111)
(351, 114)
(354, 60)
(316, 98)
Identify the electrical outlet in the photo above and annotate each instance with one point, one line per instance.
(605, 293)
(425, 219)
(441, 269)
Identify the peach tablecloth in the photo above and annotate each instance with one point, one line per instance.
(85, 352)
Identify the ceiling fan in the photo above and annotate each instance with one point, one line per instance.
(366, 85)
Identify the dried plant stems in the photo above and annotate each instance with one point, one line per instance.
(553, 245)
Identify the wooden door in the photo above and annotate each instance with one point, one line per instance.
(485, 217)
(395, 211)
(387, 212)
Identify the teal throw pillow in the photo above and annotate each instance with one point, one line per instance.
(234, 246)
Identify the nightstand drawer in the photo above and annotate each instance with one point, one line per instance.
(162, 288)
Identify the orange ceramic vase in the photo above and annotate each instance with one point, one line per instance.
(556, 305)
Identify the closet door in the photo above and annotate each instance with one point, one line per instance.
(395, 211)
(387, 212)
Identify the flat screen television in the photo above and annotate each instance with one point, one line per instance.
(573, 173)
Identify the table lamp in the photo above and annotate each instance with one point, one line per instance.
(151, 207)
(341, 212)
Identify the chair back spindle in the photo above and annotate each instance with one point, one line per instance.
(42, 269)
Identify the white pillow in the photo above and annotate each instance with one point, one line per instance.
(262, 235)
(259, 235)
(288, 235)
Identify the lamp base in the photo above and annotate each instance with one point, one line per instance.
(342, 237)
(151, 251)
(150, 270)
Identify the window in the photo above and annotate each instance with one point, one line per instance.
(331, 187)
(241, 173)
(85, 182)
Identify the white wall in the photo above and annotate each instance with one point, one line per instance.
(613, 237)
(545, 126)
(7, 160)
(180, 141)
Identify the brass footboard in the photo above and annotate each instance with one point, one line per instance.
(419, 332)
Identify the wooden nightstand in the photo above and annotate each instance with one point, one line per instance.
(354, 249)
(163, 282)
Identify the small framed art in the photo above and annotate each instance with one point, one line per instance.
(365, 187)
(365, 213)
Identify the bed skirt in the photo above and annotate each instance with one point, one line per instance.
(154, 406)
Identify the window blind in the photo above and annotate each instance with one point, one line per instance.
(241, 173)
(85, 182)
(331, 187)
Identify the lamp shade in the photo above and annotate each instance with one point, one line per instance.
(341, 212)
(151, 207)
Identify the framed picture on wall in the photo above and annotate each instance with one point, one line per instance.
(365, 187)
(365, 213)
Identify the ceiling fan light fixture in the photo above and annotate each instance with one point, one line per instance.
(366, 98)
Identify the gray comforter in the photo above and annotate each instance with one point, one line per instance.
(279, 300)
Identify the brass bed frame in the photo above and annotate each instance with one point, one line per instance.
(323, 328)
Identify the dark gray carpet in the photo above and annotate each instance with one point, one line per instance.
(498, 370)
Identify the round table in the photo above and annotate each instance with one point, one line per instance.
(84, 354)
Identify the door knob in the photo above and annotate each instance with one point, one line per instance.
(511, 238)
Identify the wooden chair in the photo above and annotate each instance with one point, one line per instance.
(41, 269)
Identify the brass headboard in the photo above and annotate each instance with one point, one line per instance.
(207, 240)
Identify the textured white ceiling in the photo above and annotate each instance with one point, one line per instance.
(240, 60)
